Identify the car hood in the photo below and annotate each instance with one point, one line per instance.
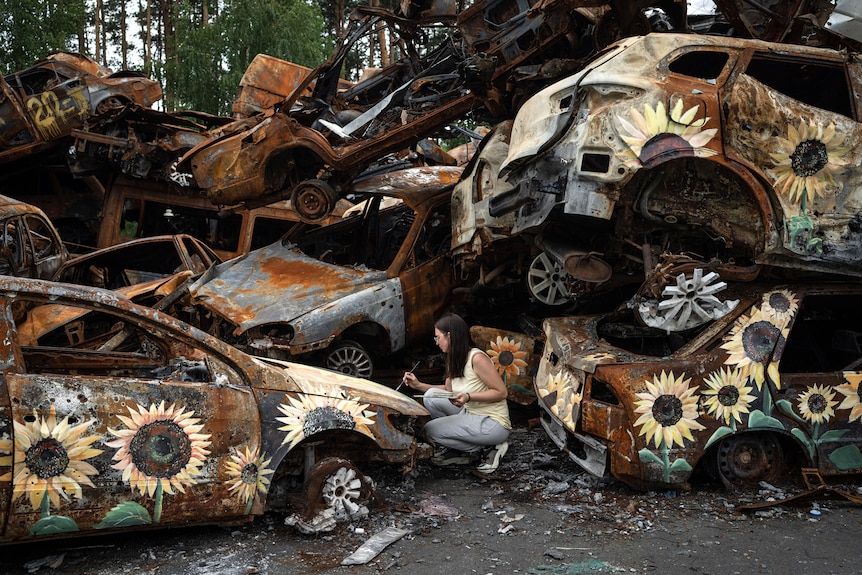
(576, 340)
(322, 382)
(276, 284)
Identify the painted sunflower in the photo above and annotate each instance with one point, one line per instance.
(49, 459)
(161, 447)
(307, 414)
(248, 473)
(817, 404)
(750, 344)
(655, 131)
(668, 410)
(507, 356)
(779, 306)
(559, 394)
(852, 395)
(727, 395)
(809, 159)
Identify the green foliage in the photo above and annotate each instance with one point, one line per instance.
(209, 61)
(33, 29)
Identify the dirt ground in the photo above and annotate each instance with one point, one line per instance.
(538, 514)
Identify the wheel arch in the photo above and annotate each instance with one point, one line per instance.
(730, 175)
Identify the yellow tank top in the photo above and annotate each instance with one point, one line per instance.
(471, 383)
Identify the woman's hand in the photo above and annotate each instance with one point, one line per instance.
(411, 381)
(460, 399)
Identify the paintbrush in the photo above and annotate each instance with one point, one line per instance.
(404, 379)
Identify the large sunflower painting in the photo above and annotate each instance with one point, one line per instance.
(727, 396)
(49, 463)
(751, 344)
(309, 413)
(248, 472)
(655, 132)
(160, 450)
(809, 159)
(507, 356)
(668, 415)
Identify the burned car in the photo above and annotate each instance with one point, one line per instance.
(346, 294)
(137, 261)
(670, 152)
(30, 246)
(310, 147)
(771, 386)
(44, 103)
(148, 271)
(174, 427)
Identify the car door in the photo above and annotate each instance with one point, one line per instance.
(7, 363)
(794, 119)
(427, 276)
(120, 425)
(820, 372)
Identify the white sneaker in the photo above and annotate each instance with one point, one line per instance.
(492, 460)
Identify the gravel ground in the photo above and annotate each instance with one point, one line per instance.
(538, 514)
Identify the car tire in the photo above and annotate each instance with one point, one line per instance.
(546, 280)
(349, 357)
(747, 459)
(336, 486)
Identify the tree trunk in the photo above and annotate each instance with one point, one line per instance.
(124, 40)
(98, 14)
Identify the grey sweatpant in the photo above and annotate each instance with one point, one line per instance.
(454, 428)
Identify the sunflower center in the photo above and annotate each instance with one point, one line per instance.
(160, 449)
(859, 392)
(728, 395)
(506, 358)
(47, 458)
(759, 340)
(249, 474)
(667, 410)
(809, 157)
(663, 145)
(326, 417)
(817, 403)
(779, 302)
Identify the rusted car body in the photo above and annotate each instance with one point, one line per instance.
(138, 208)
(831, 23)
(29, 244)
(309, 148)
(670, 152)
(174, 427)
(147, 271)
(769, 387)
(344, 294)
(44, 103)
(140, 142)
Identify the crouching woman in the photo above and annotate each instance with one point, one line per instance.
(470, 415)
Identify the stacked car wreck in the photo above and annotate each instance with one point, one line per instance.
(678, 200)
(693, 162)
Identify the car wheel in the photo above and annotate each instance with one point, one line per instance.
(313, 200)
(336, 485)
(747, 458)
(351, 358)
(546, 281)
(109, 104)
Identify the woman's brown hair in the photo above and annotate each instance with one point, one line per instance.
(460, 343)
